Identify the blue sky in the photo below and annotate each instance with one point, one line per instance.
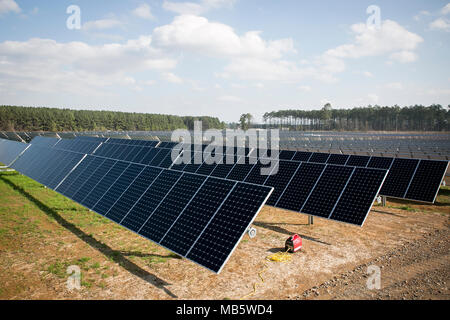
(223, 57)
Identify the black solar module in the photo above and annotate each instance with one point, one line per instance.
(44, 141)
(399, 177)
(327, 191)
(70, 187)
(191, 222)
(223, 169)
(302, 156)
(357, 198)
(427, 180)
(241, 170)
(172, 208)
(357, 161)
(220, 237)
(286, 154)
(150, 199)
(380, 162)
(207, 168)
(279, 181)
(340, 159)
(319, 157)
(169, 209)
(296, 193)
(255, 175)
(119, 186)
(99, 182)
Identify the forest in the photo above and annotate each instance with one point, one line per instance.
(14, 118)
(371, 118)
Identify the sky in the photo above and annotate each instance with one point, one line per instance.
(223, 58)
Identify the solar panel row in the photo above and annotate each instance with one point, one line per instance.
(10, 150)
(246, 169)
(198, 217)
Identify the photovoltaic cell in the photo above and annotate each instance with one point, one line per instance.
(302, 156)
(319, 157)
(356, 200)
(427, 180)
(191, 222)
(300, 186)
(327, 191)
(340, 159)
(150, 200)
(169, 209)
(380, 162)
(222, 234)
(280, 180)
(358, 161)
(399, 177)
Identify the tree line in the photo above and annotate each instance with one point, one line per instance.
(371, 118)
(15, 118)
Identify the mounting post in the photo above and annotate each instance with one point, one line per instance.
(383, 201)
(310, 220)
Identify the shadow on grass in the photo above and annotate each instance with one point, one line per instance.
(276, 228)
(115, 255)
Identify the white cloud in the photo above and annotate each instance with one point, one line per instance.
(7, 6)
(373, 98)
(102, 24)
(172, 78)
(390, 37)
(404, 56)
(49, 66)
(197, 34)
(367, 74)
(446, 9)
(229, 99)
(144, 12)
(196, 8)
(421, 14)
(394, 85)
(440, 24)
(305, 88)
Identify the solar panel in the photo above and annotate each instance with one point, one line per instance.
(399, 177)
(340, 159)
(427, 180)
(325, 194)
(218, 240)
(279, 181)
(319, 157)
(44, 141)
(171, 208)
(357, 198)
(10, 150)
(302, 156)
(380, 162)
(358, 161)
(304, 180)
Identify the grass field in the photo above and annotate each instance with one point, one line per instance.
(42, 233)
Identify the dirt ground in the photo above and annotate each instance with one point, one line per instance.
(42, 233)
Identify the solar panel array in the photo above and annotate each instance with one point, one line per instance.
(401, 177)
(250, 171)
(10, 150)
(200, 218)
(411, 179)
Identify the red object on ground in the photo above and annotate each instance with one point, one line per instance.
(293, 244)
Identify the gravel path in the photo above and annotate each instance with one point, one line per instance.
(418, 270)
